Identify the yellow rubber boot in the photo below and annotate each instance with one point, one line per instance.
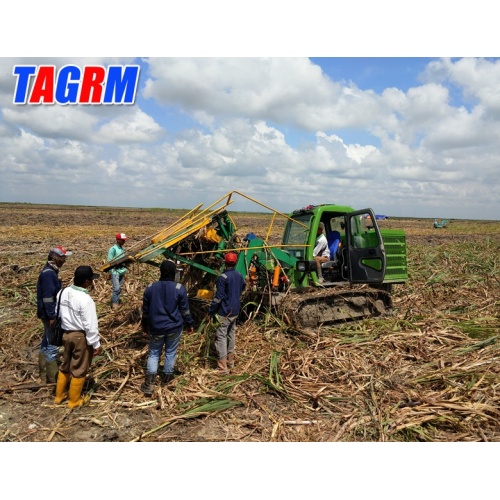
(75, 393)
(62, 384)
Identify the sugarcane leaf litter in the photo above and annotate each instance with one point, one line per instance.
(426, 371)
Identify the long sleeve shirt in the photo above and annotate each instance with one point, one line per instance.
(114, 252)
(230, 284)
(78, 313)
(47, 288)
(165, 307)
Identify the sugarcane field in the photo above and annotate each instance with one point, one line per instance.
(426, 370)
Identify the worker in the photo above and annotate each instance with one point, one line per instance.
(321, 252)
(117, 273)
(165, 310)
(226, 304)
(47, 288)
(81, 339)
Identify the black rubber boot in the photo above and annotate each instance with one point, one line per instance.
(42, 366)
(166, 378)
(52, 370)
(147, 387)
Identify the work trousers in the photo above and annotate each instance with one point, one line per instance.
(117, 282)
(156, 342)
(77, 355)
(225, 336)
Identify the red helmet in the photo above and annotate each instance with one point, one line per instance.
(230, 258)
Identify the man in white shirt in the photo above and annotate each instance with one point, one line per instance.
(321, 253)
(81, 336)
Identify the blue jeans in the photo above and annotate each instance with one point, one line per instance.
(50, 351)
(117, 281)
(156, 342)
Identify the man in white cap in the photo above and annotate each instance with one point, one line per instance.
(117, 272)
(47, 288)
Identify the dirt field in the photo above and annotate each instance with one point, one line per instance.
(428, 371)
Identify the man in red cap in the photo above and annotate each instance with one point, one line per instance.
(117, 272)
(226, 304)
(47, 288)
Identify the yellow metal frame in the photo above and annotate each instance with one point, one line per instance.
(193, 221)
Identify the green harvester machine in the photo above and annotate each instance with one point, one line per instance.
(366, 261)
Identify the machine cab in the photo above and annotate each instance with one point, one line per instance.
(357, 253)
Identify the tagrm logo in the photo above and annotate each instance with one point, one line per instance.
(72, 85)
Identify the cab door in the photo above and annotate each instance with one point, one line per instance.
(364, 251)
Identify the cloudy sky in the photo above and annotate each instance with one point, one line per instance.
(407, 136)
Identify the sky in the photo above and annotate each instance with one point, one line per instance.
(407, 135)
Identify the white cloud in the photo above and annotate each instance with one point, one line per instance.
(281, 90)
(132, 126)
(476, 78)
(53, 121)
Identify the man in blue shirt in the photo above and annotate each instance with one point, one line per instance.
(47, 288)
(165, 309)
(226, 304)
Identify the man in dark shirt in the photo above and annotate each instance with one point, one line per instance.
(165, 309)
(226, 303)
(47, 288)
